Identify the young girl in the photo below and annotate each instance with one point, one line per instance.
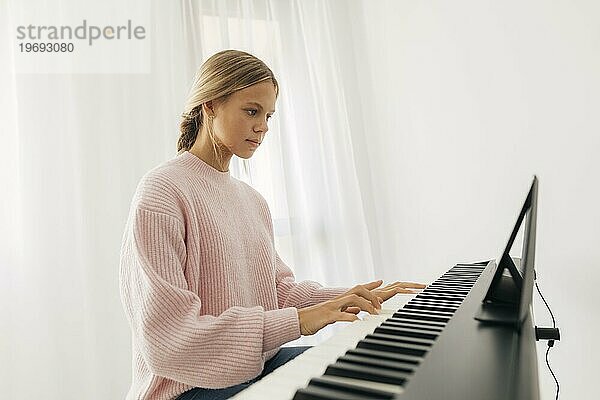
(207, 297)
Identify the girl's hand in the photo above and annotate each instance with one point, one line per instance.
(342, 308)
(393, 289)
(367, 297)
(366, 291)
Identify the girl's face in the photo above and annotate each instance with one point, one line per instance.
(241, 122)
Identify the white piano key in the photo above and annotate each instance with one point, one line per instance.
(282, 383)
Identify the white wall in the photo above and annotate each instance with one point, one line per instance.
(463, 102)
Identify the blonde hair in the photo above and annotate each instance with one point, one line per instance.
(218, 77)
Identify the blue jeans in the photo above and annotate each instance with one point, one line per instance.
(284, 355)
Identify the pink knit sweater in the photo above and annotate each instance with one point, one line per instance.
(207, 297)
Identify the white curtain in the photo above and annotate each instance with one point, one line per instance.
(74, 146)
(307, 170)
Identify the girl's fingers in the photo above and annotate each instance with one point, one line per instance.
(387, 294)
(405, 291)
(390, 293)
(375, 295)
(368, 295)
(412, 285)
(354, 300)
(372, 285)
(352, 310)
(406, 285)
(346, 317)
(364, 291)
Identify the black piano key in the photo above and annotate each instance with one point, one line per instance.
(422, 316)
(436, 297)
(321, 393)
(464, 271)
(409, 320)
(450, 296)
(434, 300)
(377, 362)
(431, 303)
(433, 313)
(467, 276)
(385, 355)
(455, 281)
(446, 289)
(458, 293)
(386, 345)
(355, 388)
(452, 287)
(416, 333)
(461, 290)
(449, 286)
(456, 275)
(408, 325)
(373, 374)
(400, 339)
(474, 265)
(464, 290)
(458, 279)
(468, 279)
(430, 308)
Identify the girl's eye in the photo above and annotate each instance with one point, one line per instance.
(253, 113)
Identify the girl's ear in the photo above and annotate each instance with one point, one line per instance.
(208, 108)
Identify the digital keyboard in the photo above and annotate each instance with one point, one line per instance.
(426, 346)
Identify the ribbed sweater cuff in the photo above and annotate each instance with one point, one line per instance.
(280, 326)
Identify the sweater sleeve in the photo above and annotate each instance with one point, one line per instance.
(289, 292)
(175, 340)
(300, 294)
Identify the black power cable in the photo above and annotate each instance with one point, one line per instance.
(551, 341)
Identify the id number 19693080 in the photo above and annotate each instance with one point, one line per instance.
(46, 47)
